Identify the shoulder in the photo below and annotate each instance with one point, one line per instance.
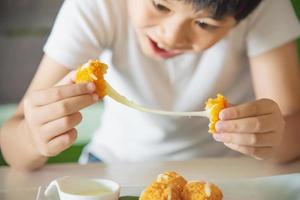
(273, 24)
(107, 9)
(91, 10)
(93, 6)
(272, 9)
(83, 29)
(97, 18)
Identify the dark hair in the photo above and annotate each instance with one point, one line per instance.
(219, 9)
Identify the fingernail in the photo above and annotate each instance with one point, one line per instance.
(220, 126)
(95, 97)
(218, 137)
(91, 87)
(224, 114)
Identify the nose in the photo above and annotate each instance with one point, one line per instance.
(174, 33)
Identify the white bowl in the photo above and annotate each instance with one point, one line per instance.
(74, 188)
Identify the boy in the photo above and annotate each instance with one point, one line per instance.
(171, 55)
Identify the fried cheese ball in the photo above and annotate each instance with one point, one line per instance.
(172, 178)
(93, 71)
(167, 186)
(160, 191)
(201, 191)
(214, 107)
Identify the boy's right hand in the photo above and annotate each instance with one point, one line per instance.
(52, 114)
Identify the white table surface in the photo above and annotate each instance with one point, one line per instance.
(22, 185)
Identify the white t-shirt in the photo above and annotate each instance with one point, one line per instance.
(85, 28)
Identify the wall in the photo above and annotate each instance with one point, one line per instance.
(24, 26)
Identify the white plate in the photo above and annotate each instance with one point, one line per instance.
(284, 187)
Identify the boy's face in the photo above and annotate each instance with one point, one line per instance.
(166, 28)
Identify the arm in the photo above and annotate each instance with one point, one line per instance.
(276, 75)
(36, 132)
(15, 134)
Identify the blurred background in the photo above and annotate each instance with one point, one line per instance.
(24, 28)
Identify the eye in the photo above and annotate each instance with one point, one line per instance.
(160, 7)
(205, 26)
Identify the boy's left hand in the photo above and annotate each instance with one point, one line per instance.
(253, 128)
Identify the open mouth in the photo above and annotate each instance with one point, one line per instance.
(163, 53)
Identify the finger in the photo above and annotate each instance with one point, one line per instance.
(65, 107)
(45, 97)
(260, 124)
(259, 107)
(69, 79)
(259, 153)
(61, 142)
(54, 128)
(249, 139)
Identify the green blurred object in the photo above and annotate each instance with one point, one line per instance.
(90, 122)
(6, 111)
(27, 32)
(129, 198)
(296, 4)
